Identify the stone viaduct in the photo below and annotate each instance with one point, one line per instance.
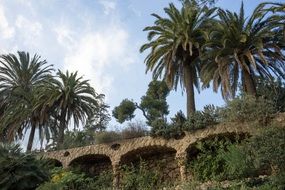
(174, 152)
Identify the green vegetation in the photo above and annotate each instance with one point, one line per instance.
(175, 44)
(153, 105)
(20, 171)
(197, 45)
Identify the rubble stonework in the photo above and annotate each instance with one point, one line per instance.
(172, 151)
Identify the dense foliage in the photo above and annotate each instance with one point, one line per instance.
(19, 171)
(153, 105)
(194, 45)
(263, 154)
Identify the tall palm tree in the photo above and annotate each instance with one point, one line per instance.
(174, 44)
(240, 49)
(71, 99)
(20, 79)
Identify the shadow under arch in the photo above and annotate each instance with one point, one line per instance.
(156, 158)
(92, 164)
(53, 162)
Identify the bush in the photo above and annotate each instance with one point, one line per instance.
(107, 137)
(71, 180)
(273, 91)
(209, 163)
(134, 130)
(20, 171)
(50, 186)
(160, 128)
(68, 180)
(268, 149)
(137, 178)
(263, 154)
(202, 119)
(238, 164)
(248, 109)
(102, 182)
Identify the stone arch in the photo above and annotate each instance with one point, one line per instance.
(156, 158)
(92, 164)
(229, 135)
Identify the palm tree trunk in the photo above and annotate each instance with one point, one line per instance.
(31, 138)
(62, 126)
(188, 82)
(60, 136)
(250, 87)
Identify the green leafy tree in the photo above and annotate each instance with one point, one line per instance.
(273, 91)
(174, 44)
(20, 171)
(21, 78)
(70, 98)
(201, 2)
(125, 111)
(240, 49)
(101, 117)
(153, 105)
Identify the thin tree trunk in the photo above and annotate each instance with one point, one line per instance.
(250, 88)
(60, 136)
(62, 126)
(31, 138)
(188, 82)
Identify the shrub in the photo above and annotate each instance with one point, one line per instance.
(202, 119)
(209, 163)
(134, 130)
(160, 128)
(107, 137)
(273, 91)
(70, 180)
(137, 178)
(238, 164)
(50, 186)
(102, 182)
(259, 155)
(268, 149)
(20, 171)
(248, 109)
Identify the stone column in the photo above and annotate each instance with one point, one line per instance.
(116, 175)
(181, 159)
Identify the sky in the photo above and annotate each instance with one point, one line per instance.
(98, 38)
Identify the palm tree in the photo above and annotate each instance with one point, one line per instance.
(71, 98)
(174, 44)
(20, 79)
(240, 49)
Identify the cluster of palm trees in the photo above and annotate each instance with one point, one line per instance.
(33, 98)
(210, 46)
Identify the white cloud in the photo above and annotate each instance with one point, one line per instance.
(31, 27)
(6, 30)
(65, 36)
(93, 53)
(29, 31)
(108, 5)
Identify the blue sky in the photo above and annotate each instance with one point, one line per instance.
(98, 38)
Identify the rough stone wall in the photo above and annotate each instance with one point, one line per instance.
(175, 153)
(126, 146)
(93, 166)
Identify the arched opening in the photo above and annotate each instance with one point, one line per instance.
(210, 150)
(54, 162)
(92, 164)
(157, 160)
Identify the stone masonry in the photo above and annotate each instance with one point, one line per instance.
(123, 152)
